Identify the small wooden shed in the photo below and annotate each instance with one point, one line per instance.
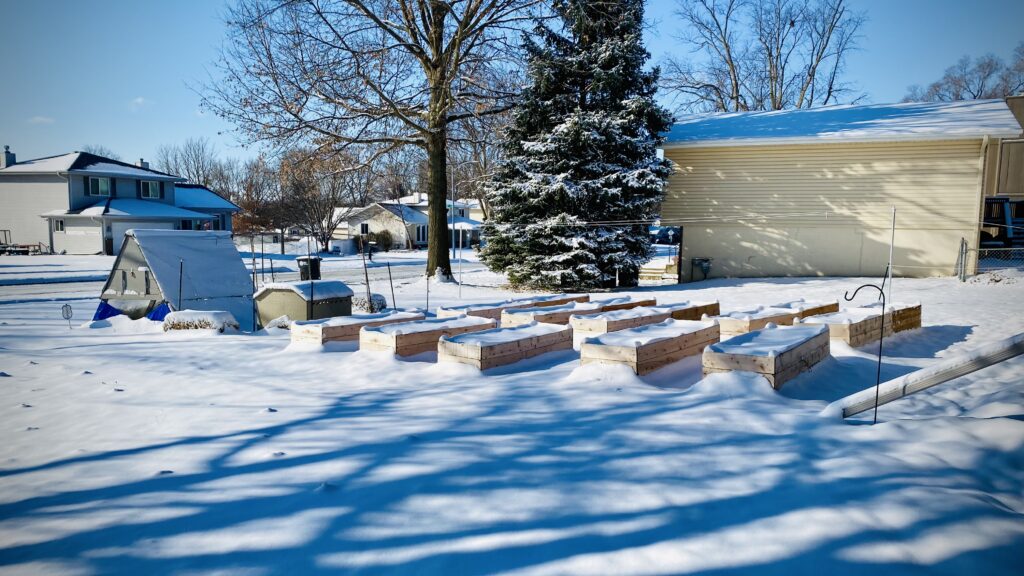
(307, 300)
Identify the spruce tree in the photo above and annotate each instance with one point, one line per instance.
(581, 180)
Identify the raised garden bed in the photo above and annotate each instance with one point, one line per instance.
(410, 338)
(501, 346)
(855, 326)
(805, 308)
(902, 316)
(647, 348)
(586, 325)
(493, 310)
(779, 354)
(561, 314)
(341, 328)
(743, 321)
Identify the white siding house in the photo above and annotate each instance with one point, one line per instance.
(81, 203)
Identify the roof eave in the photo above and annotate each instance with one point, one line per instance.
(739, 142)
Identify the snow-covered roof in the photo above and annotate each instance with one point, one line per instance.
(421, 199)
(309, 290)
(411, 215)
(131, 208)
(213, 275)
(463, 223)
(849, 123)
(85, 163)
(200, 197)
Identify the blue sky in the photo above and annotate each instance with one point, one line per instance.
(121, 73)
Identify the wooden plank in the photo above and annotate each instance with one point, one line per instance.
(500, 354)
(736, 326)
(826, 308)
(647, 357)
(697, 312)
(494, 313)
(413, 343)
(321, 333)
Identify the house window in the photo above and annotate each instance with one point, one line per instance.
(99, 186)
(364, 228)
(186, 225)
(150, 189)
(421, 234)
(58, 225)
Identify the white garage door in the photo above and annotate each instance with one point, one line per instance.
(118, 228)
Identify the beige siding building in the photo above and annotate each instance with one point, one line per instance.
(811, 192)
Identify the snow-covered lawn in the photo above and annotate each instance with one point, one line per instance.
(130, 450)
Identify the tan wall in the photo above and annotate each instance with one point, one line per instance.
(276, 303)
(1011, 168)
(825, 209)
(382, 220)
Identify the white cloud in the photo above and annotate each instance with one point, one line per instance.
(40, 120)
(137, 103)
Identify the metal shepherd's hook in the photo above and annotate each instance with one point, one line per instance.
(881, 335)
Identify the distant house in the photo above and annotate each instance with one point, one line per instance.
(809, 192)
(406, 221)
(81, 203)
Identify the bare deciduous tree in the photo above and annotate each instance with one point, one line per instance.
(982, 78)
(385, 73)
(316, 190)
(195, 160)
(768, 55)
(100, 150)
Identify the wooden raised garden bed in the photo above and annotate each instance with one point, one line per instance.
(561, 314)
(741, 322)
(493, 310)
(778, 354)
(855, 326)
(410, 338)
(805, 309)
(647, 348)
(342, 328)
(904, 316)
(603, 322)
(501, 346)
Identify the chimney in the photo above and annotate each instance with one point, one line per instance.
(142, 164)
(8, 158)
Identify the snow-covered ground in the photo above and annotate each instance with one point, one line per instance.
(130, 450)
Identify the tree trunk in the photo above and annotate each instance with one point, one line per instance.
(437, 196)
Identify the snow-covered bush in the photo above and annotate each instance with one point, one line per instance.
(200, 320)
(378, 303)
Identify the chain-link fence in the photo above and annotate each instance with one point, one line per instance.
(988, 260)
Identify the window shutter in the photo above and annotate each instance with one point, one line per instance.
(138, 188)
(113, 186)
(88, 188)
(161, 189)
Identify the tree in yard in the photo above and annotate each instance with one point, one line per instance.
(581, 180)
(768, 55)
(330, 74)
(983, 78)
(316, 191)
(100, 150)
(196, 161)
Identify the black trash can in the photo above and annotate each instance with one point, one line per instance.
(309, 267)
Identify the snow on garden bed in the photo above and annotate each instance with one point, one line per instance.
(644, 335)
(429, 325)
(494, 336)
(218, 320)
(770, 341)
(362, 318)
(844, 316)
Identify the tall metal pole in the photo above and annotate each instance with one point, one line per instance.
(181, 274)
(392, 282)
(881, 336)
(460, 264)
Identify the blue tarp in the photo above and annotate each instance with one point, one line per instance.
(159, 312)
(104, 311)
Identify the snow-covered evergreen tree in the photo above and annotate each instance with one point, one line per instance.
(581, 179)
